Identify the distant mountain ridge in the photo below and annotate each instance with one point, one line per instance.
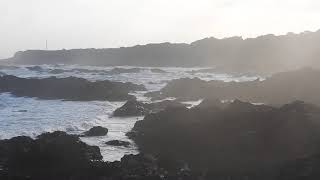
(264, 54)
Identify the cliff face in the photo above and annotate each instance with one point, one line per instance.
(264, 54)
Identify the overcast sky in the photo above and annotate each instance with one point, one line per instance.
(26, 24)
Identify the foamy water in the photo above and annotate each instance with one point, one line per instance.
(31, 116)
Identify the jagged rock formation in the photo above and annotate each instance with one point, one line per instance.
(135, 108)
(278, 89)
(236, 140)
(70, 88)
(263, 55)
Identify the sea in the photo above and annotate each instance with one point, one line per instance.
(25, 116)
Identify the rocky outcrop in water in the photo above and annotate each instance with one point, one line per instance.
(56, 155)
(71, 88)
(135, 108)
(234, 140)
(96, 131)
(118, 143)
(278, 89)
(131, 108)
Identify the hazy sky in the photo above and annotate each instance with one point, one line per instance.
(26, 24)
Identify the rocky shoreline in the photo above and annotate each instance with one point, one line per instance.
(61, 156)
(247, 142)
(280, 88)
(277, 139)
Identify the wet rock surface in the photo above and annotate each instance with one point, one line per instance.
(60, 156)
(50, 155)
(96, 131)
(235, 140)
(131, 108)
(71, 88)
(136, 108)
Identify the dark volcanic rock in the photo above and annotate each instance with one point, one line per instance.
(234, 140)
(96, 131)
(70, 88)
(135, 108)
(307, 167)
(56, 155)
(118, 143)
(281, 88)
(210, 103)
(49, 155)
(131, 108)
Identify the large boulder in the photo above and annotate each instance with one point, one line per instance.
(70, 88)
(96, 131)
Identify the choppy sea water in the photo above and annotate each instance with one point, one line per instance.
(31, 116)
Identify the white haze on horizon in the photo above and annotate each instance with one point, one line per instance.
(27, 24)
